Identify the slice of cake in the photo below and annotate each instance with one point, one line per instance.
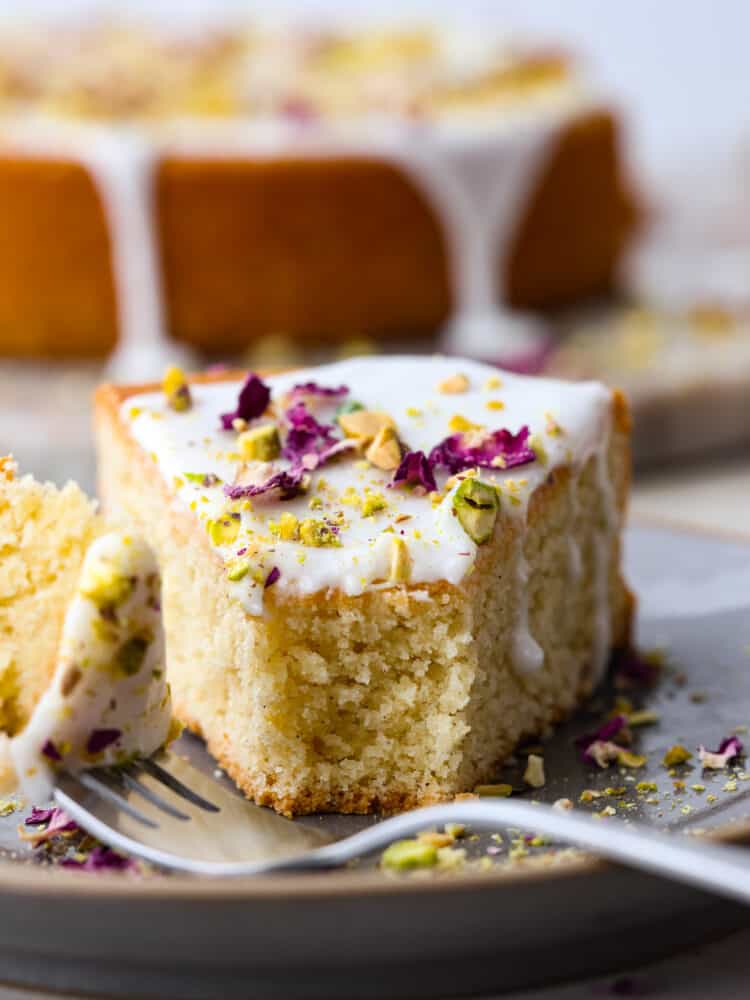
(379, 575)
(44, 535)
(90, 602)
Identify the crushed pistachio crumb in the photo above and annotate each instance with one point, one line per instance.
(453, 385)
(224, 530)
(676, 754)
(461, 425)
(260, 444)
(405, 854)
(317, 534)
(176, 389)
(501, 791)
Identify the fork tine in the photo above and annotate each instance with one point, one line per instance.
(158, 772)
(149, 794)
(94, 784)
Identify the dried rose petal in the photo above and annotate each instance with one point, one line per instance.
(306, 435)
(253, 398)
(50, 751)
(100, 739)
(606, 733)
(495, 449)
(314, 389)
(100, 859)
(415, 470)
(729, 748)
(283, 485)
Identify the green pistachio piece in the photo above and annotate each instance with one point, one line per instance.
(224, 531)
(105, 585)
(476, 505)
(409, 854)
(317, 534)
(238, 569)
(260, 444)
(131, 654)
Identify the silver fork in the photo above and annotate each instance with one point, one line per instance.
(166, 811)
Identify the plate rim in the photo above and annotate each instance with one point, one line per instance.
(43, 881)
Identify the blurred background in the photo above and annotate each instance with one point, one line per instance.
(557, 187)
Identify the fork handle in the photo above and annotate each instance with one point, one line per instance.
(719, 868)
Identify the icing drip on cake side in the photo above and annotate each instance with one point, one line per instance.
(528, 655)
(476, 181)
(121, 163)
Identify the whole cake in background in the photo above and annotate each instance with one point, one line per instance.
(379, 575)
(217, 186)
(686, 373)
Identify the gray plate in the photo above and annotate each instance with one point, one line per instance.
(360, 934)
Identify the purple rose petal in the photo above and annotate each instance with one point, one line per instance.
(415, 470)
(100, 739)
(499, 449)
(253, 398)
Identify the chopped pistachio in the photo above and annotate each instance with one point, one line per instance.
(260, 444)
(459, 424)
(534, 773)
(104, 585)
(400, 561)
(176, 389)
(365, 424)
(405, 854)
(286, 528)
(373, 503)
(316, 503)
(495, 404)
(174, 732)
(676, 755)
(455, 384)
(495, 791)
(238, 569)
(131, 654)
(223, 531)
(626, 758)
(646, 786)
(476, 505)
(317, 534)
(435, 838)
(385, 450)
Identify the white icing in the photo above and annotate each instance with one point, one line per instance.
(528, 655)
(575, 560)
(104, 696)
(120, 160)
(571, 421)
